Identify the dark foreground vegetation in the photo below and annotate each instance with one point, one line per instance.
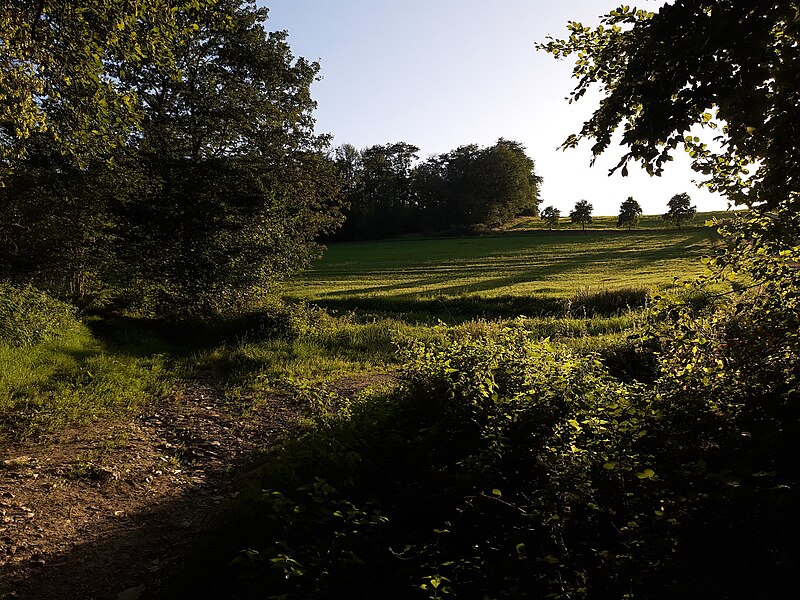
(508, 468)
(622, 442)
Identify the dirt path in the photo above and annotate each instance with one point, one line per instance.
(108, 511)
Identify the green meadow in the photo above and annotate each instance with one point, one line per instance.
(521, 265)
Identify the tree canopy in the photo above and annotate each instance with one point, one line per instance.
(582, 213)
(59, 67)
(629, 213)
(728, 66)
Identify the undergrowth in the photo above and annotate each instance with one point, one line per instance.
(29, 316)
(472, 480)
(56, 373)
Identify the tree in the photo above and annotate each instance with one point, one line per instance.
(694, 66)
(551, 216)
(582, 213)
(347, 159)
(238, 186)
(58, 60)
(629, 213)
(56, 228)
(222, 190)
(380, 198)
(680, 209)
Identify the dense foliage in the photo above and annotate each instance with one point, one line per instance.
(501, 466)
(515, 459)
(58, 65)
(629, 213)
(510, 468)
(581, 213)
(390, 192)
(222, 188)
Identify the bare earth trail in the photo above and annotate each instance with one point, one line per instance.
(110, 510)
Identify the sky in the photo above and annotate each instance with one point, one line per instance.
(439, 74)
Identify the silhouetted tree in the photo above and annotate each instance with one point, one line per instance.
(680, 209)
(582, 213)
(629, 213)
(551, 216)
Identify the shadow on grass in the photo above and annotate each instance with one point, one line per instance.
(459, 309)
(450, 310)
(144, 338)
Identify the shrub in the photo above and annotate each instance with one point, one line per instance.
(29, 316)
(272, 319)
(502, 467)
(605, 301)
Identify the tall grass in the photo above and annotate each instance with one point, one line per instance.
(28, 316)
(72, 380)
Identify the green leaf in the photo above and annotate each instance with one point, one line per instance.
(646, 474)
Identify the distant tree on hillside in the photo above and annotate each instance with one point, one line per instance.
(629, 213)
(680, 209)
(551, 216)
(582, 213)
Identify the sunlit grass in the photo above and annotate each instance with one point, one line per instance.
(587, 291)
(72, 379)
(522, 266)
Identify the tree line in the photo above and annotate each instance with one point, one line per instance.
(680, 210)
(389, 191)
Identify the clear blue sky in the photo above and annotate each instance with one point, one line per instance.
(443, 73)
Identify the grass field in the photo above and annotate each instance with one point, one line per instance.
(585, 290)
(512, 265)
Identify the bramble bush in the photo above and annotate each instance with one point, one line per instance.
(501, 467)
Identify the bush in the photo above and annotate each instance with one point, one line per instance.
(28, 316)
(605, 301)
(274, 319)
(502, 467)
